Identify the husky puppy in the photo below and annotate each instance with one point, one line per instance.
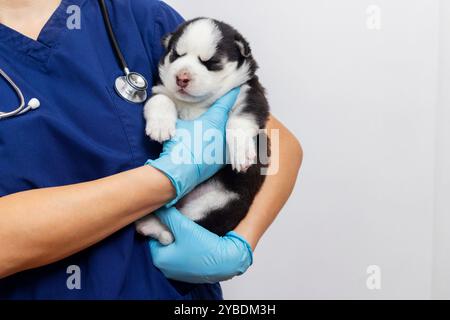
(205, 59)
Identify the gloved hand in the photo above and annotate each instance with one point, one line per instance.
(189, 170)
(198, 255)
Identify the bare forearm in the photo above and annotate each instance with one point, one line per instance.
(276, 188)
(41, 226)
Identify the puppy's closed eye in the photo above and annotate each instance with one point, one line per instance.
(175, 55)
(212, 64)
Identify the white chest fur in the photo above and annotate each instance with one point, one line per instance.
(191, 112)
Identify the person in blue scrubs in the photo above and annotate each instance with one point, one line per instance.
(72, 173)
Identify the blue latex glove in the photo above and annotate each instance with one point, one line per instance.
(198, 255)
(193, 170)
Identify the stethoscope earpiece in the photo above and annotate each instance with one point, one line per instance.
(34, 104)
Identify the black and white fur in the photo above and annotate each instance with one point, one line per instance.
(211, 58)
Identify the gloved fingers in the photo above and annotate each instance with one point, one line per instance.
(173, 219)
(165, 258)
(159, 253)
(228, 100)
(184, 228)
(220, 109)
(154, 245)
(181, 124)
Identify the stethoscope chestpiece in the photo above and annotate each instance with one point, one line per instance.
(132, 87)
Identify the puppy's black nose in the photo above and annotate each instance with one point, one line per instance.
(183, 79)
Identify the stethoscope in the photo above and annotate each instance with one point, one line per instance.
(132, 86)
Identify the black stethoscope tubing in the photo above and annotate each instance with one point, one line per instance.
(132, 86)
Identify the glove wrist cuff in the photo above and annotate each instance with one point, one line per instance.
(247, 245)
(176, 174)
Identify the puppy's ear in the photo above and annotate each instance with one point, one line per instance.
(243, 46)
(166, 40)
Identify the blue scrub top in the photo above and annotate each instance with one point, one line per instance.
(84, 131)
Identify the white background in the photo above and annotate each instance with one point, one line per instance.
(370, 108)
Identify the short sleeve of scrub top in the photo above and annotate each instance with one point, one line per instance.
(84, 131)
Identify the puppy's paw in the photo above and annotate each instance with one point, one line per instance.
(161, 128)
(242, 151)
(161, 115)
(151, 226)
(166, 238)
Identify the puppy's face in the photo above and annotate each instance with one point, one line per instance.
(201, 57)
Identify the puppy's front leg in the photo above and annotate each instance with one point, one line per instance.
(242, 128)
(161, 116)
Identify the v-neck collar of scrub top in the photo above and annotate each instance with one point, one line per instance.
(38, 50)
